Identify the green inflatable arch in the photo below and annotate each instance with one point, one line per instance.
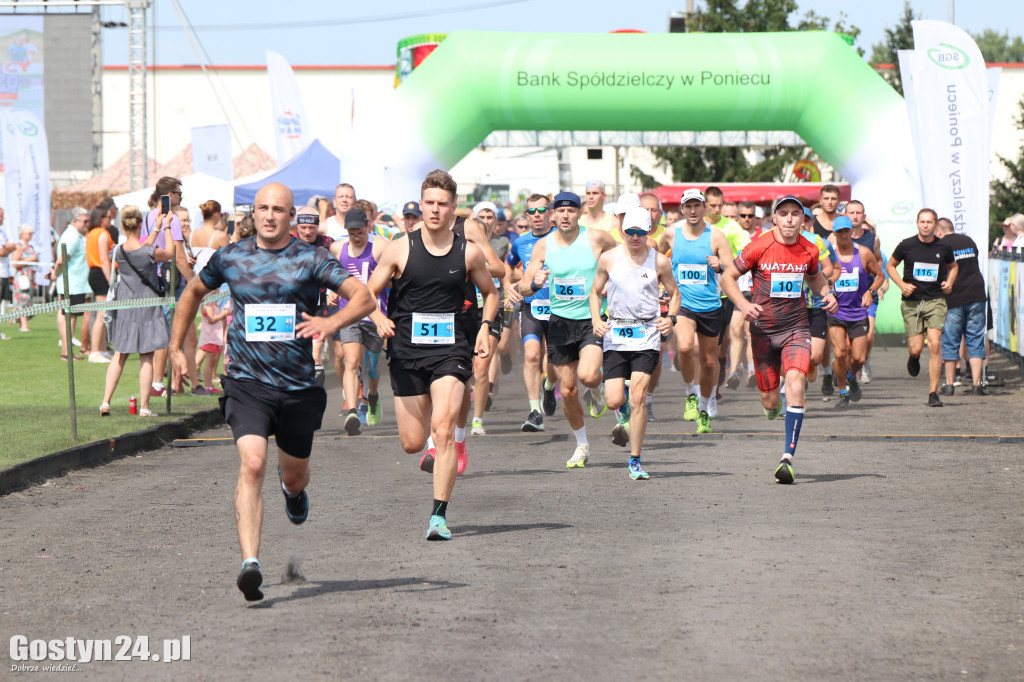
(810, 82)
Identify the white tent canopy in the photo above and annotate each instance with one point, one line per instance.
(197, 189)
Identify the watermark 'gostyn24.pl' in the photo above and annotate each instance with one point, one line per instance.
(120, 648)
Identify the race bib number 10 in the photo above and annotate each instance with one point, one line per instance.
(570, 288)
(787, 284)
(433, 329)
(269, 322)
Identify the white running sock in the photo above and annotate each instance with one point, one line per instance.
(581, 435)
(460, 434)
(430, 443)
(702, 404)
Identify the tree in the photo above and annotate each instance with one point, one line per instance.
(730, 164)
(998, 47)
(899, 37)
(1007, 195)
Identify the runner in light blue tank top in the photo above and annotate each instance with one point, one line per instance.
(698, 287)
(572, 273)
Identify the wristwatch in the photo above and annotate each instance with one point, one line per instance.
(673, 318)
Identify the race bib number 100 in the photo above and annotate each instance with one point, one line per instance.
(433, 329)
(570, 288)
(269, 322)
(787, 284)
(692, 275)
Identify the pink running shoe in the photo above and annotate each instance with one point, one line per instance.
(463, 456)
(427, 461)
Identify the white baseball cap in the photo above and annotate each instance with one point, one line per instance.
(691, 194)
(626, 201)
(636, 217)
(485, 206)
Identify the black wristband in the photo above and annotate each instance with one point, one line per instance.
(534, 288)
(495, 326)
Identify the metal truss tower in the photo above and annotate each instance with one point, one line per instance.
(137, 91)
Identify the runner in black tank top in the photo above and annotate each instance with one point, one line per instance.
(431, 343)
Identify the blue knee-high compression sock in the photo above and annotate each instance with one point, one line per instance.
(794, 420)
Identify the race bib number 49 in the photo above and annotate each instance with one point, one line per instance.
(786, 284)
(433, 329)
(269, 322)
(628, 332)
(569, 288)
(926, 272)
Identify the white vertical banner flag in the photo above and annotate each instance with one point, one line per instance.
(291, 127)
(211, 151)
(994, 74)
(951, 96)
(27, 177)
(906, 67)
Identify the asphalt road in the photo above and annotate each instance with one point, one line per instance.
(896, 555)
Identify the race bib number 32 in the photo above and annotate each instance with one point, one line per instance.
(787, 284)
(269, 322)
(570, 288)
(433, 329)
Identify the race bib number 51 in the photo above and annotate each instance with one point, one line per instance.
(269, 322)
(787, 284)
(433, 329)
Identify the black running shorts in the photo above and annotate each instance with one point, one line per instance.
(413, 377)
(620, 364)
(292, 417)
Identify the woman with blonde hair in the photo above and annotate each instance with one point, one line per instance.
(24, 275)
(137, 330)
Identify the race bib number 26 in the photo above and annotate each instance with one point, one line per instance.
(570, 288)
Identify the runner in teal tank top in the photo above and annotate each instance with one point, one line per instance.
(570, 254)
(699, 254)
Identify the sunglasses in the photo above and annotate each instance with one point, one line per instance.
(539, 209)
(746, 215)
(634, 232)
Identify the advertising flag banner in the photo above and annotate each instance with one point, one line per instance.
(27, 176)
(291, 127)
(21, 64)
(211, 151)
(951, 113)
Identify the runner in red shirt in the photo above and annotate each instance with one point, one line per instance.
(780, 335)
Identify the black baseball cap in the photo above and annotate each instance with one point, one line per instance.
(412, 208)
(355, 218)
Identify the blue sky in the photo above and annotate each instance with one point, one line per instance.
(332, 33)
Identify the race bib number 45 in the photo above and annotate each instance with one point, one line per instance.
(269, 322)
(926, 272)
(433, 329)
(849, 281)
(787, 284)
(569, 288)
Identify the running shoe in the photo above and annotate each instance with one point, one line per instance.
(352, 423)
(947, 389)
(784, 472)
(364, 413)
(636, 472)
(865, 373)
(703, 423)
(579, 457)
(438, 529)
(427, 460)
(534, 423)
(713, 407)
(913, 366)
(774, 413)
(733, 381)
(462, 456)
(843, 402)
(597, 404)
(620, 435)
(548, 402)
(157, 392)
(97, 358)
(250, 580)
(690, 412)
(933, 400)
(827, 387)
(978, 389)
(622, 413)
(751, 380)
(650, 412)
(855, 392)
(376, 412)
(296, 507)
(478, 428)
